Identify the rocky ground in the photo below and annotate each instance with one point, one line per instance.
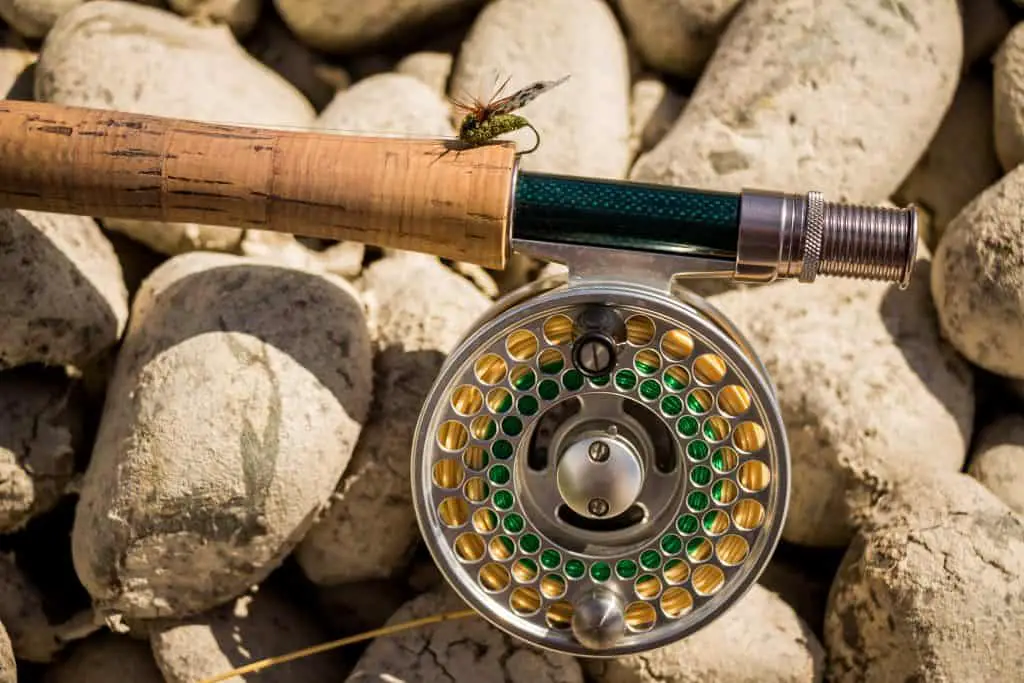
(131, 394)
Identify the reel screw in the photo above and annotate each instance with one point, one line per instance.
(598, 507)
(599, 451)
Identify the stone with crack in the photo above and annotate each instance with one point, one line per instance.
(998, 460)
(419, 309)
(235, 403)
(931, 588)
(103, 658)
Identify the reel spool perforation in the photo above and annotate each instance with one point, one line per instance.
(688, 557)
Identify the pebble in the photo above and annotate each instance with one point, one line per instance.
(978, 278)
(676, 36)
(776, 647)
(41, 431)
(960, 161)
(584, 122)
(388, 104)
(8, 667)
(842, 99)
(998, 460)
(106, 657)
(1008, 75)
(419, 310)
(239, 393)
(62, 295)
(654, 109)
(110, 54)
(249, 629)
(239, 15)
(466, 650)
(34, 18)
(434, 68)
(912, 400)
(931, 590)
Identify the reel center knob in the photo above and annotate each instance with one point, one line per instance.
(600, 475)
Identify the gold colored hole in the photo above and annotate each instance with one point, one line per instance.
(732, 550)
(708, 579)
(559, 615)
(676, 602)
(499, 400)
(734, 400)
(493, 577)
(709, 368)
(447, 474)
(483, 427)
(639, 330)
(491, 369)
(717, 426)
(485, 521)
(724, 491)
(558, 329)
(476, 490)
(453, 511)
(519, 372)
(725, 460)
(501, 548)
(716, 522)
(469, 547)
(551, 358)
(452, 435)
(648, 587)
(524, 601)
(649, 361)
(700, 550)
(467, 400)
(703, 399)
(749, 437)
(677, 345)
(754, 476)
(676, 377)
(475, 458)
(748, 514)
(552, 586)
(640, 616)
(521, 345)
(524, 571)
(676, 571)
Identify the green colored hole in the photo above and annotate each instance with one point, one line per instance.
(548, 389)
(625, 379)
(697, 501)
(529, 564)
(645, 368)
(687, 524)
(489, 430)
(718, 461)
(552, 367)
(671, 544)
(650, 389)
(524, 380)
(551, 559)
(673, 382)
(507, 544)
(700, 476)
(500, 474)
(504, 404)
(698, 450)
(528, 405)
(514, 523)
(711, 519)
(687, 425)
(696, 549)
(502, 449)
(512, 425)
(529, 543)
(671, 405)
(600, 571)
(694, 404)
(572, 380)
(650, 559)
(599, 381)
(503, 500)
(626, 569)
(574, 569)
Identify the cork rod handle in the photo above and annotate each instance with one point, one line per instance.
(412, 194)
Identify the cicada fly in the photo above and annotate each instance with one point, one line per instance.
(485, 121)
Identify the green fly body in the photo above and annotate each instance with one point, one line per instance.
(485, 121)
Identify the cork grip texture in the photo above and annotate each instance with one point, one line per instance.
(412, 194)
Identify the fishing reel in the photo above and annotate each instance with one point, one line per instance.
(601, 467)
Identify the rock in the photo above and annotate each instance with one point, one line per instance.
(776, 647)
(676, 36)
(1008, 75)
(251, 628)
(986, 23)
(337, 258)
(584, 122)
(433, 68)
(106, 657)
(358, 27)
(863, 379)
(478, 276)
(370, 529)
(459, 651)
(843, 99)
(108, 54)
(998, 460)
(239, 15)
(655, 108)
(41, 431)
(62, 296)
(960, 161)
(931, 590)
(239, 393)
(17, 62)
(35, 18)
(978, 278)
(388, 103)
(8, 668)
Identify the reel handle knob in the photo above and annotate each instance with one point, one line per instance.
(599, 620)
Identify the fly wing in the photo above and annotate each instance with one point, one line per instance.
(521, 98)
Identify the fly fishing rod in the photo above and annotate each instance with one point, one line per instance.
(601, 467)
